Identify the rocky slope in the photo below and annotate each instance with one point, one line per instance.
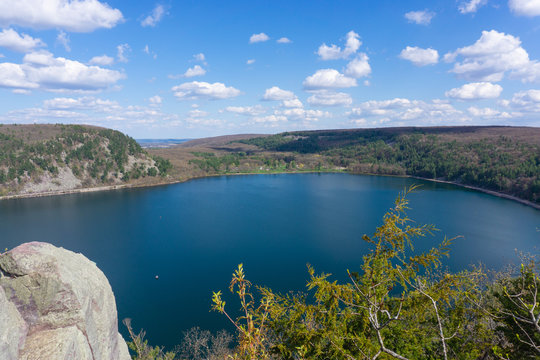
(55, 158)
(57, 305)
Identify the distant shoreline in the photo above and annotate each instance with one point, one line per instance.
(177, 181)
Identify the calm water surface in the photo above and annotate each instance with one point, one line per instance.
(194, 234)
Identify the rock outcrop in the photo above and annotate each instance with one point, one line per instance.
(56, 304)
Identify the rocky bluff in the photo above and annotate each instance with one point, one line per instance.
(56, 304)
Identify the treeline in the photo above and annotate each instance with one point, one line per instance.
(400, 305)
(498, 163)
(93, 154)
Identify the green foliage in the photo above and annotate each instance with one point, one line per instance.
(163, 165)
(96, 154)
(499, 164)
(251, 324)
(142, 350)
(518, 312)
(400, 305)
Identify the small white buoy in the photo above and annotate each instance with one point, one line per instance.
(157, 277)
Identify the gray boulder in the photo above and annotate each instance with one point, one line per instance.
(56, 304)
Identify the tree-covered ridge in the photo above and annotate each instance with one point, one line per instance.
(94, 156)
(499, 163)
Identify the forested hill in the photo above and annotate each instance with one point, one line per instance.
(502, 159)
(56, 158)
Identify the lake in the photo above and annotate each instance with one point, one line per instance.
(193, 235)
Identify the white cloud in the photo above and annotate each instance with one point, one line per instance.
(334, 52)
(475, 91)
(41, 70)
(154, 17)
(197, 70)
(270, 119)
(489, 113)
(82, 103)
(246, 110)
(255, 38)
(405, 112)
(329, 98)
(71, 15)
(283, 40)
(102, 60)
(525, 7)
(95, 111)
(250, 61)
(63, 39)
(525, 101)
(419, 56)
(422, 17)
(155, 100)
(328, 79)
(293, 103)
(122, 50)
(199, 57)
(471, 6)
(276, 94)
(11, 40)
(147, 50)
(196, 113)
(204, 90)
(491, 56)
(358, 67)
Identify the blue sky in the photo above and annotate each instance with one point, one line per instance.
(185, 69)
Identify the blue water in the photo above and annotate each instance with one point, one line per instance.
(193, 235)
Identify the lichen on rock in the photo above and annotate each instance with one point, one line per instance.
(57, 305)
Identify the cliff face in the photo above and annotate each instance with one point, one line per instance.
(55, 304)
(56, 158)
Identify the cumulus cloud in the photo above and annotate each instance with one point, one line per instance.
(358, 67)
(246, 110)
(334, 52)
(276, 94)
(63, 39)
(71, 15)
(154, 17)
(403, 112)
(475, 91)
(94, 111)
(10, 39)
(329, 98)
(250, 61)
(524, 101)
(328, 79)
(255, 38)
(41, 70)
(199, 57)
(102, 60)
(490, 113)
(121, 52)
(203, 90)
(493, 55)
(525, 7)
(419, 56)
(155, 100)
(297, 115)
(197, 70)
(82, 103)
(422, 17)
(196, 113)
(471, 6)
(283, 40)
(293, 103)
